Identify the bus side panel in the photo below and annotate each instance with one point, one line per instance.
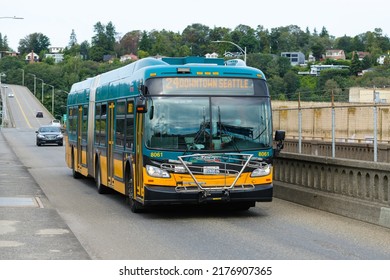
(68, 155)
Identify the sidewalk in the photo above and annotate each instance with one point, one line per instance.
(30, 228)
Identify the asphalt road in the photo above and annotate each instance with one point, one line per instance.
(108, 230)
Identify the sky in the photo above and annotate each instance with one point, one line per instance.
(57, 19)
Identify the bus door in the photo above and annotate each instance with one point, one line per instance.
(79, 137)
(110, 145)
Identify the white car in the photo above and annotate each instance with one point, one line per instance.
(55, 123)
(10, 94)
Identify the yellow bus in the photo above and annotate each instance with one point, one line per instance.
(175, 131)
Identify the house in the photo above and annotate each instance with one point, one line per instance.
(335, 54)
(296, 58)
(58, 57)
(361, 55)
(56, 49)
(127, 57)
(381, 59)
(32, 57)
(211, 55)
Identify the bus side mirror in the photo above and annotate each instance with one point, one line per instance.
(279, 138)
(141, 105)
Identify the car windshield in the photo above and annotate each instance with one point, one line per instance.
(49, 129)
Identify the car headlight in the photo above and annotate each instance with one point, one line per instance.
(261, 171)
(40, 136)
(60, 136)
(156, 172)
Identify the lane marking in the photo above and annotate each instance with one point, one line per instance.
(24, 115)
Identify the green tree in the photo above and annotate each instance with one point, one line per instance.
(103, 42)
(356, 65)
(36, 42)
(145, 43)
(3, 43)
(196, 37)
(291, 82)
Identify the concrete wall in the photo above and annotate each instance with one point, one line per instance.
(356, 189)
(348, 150)
(354, 122)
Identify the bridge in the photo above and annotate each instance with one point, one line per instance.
(307, 172)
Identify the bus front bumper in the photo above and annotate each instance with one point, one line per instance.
(156, 195)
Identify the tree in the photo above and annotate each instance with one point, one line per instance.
(3, 43)
(129, 43)
(103, 42)
(356, 65)
(36, 42)
(196, 37)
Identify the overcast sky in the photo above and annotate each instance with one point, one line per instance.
(56, 19)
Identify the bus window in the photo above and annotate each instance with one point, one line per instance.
(103, 121)
(120, 123)
(130, 125)
(84, 124)
(97, 123)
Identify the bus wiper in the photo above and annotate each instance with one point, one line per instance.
(222, 128)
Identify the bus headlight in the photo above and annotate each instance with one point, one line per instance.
(157, 172)
(261, 171)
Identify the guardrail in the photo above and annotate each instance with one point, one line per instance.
(353, 188)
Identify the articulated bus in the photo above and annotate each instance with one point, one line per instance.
(168, 131)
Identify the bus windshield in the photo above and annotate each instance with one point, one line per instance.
(223, 123)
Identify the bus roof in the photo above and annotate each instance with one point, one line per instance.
(168, 66)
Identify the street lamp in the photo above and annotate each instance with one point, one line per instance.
(43, 84)
(14, 17)
(22, 76)
(35, 83)
(241, 49)
(52, 99)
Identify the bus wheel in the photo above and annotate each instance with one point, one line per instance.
(135, 206)
(98, 181)
(75, 174)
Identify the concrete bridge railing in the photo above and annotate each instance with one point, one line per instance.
(353, 188)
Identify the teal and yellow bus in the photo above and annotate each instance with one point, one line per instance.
(175, 131)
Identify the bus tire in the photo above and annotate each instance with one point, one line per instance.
(75, 174)
(135, 206)
(98, 180)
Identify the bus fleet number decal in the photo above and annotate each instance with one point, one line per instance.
(156, 154)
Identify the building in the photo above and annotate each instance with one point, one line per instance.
(211, 55)
(367, 95)
(315, 70)
(32, 57)
(296, 58)
(361, 55)
(128, 57)
(58, 57)
(56, 49)
(335, 54)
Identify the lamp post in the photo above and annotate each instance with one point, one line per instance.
(241, 49)
(14, 17)
(43, 84)
(22, 76)
(52, 99)
(35, 83)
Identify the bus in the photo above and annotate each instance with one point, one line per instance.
(185, 130)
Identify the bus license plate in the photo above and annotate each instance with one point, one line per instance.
(211, 170)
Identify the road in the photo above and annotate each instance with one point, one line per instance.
(108, 230)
